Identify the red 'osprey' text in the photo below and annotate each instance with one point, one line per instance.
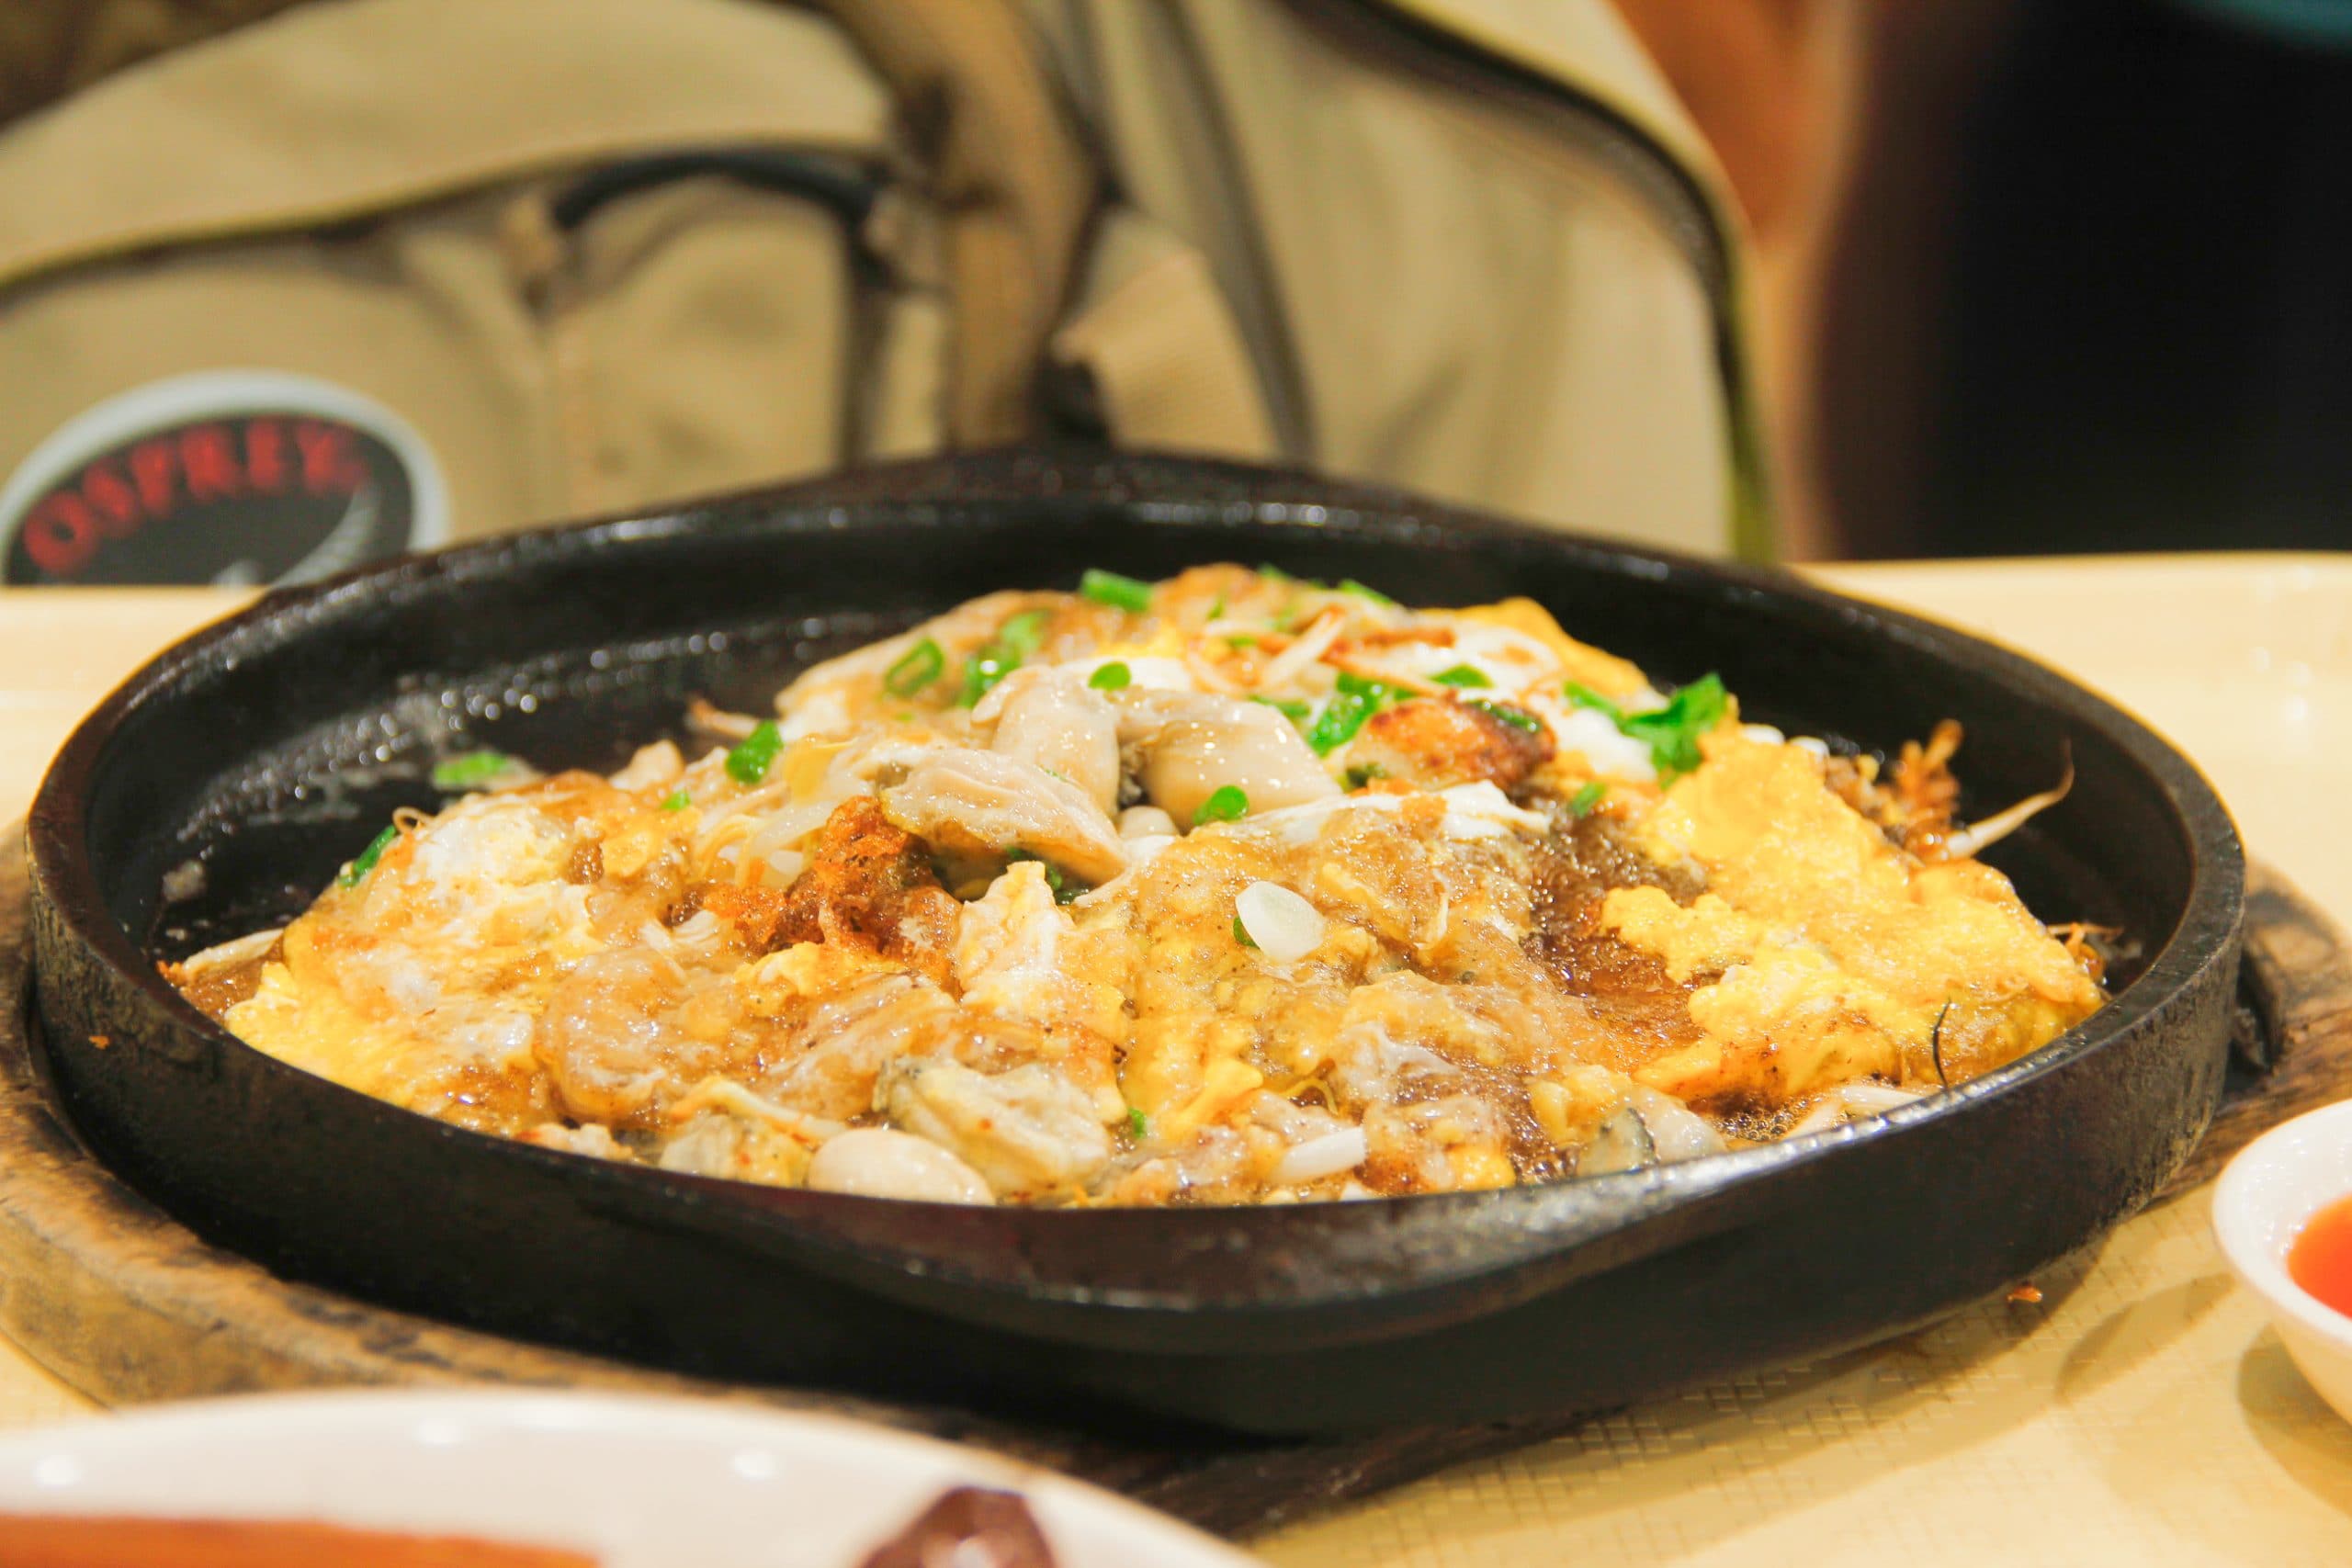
(151, 480)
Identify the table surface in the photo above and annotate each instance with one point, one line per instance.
(2141, 1413)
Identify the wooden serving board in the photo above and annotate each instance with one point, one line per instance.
(122, 1303)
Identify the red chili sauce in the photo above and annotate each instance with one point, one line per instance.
(2321, 1259)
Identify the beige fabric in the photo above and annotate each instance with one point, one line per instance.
(1588, 45)
(365, 105)
(305, 100)
(1330, 245)
(50, 47)
(1440, 291)
(427, 325)
(1163, 352)
(700, 340)
(686, 339)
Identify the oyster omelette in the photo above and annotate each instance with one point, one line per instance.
(1232, 888)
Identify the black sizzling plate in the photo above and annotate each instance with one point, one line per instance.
(270, 749)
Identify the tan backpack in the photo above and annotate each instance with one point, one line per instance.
(286, 285)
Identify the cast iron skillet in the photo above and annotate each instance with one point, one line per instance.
(268, 749)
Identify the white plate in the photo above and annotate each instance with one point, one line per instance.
(640, 1483)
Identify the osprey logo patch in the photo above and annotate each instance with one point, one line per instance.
(224, 476)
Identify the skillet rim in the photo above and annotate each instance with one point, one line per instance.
(1553, 1248)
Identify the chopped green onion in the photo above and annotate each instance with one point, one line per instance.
(1112, 677)
(470, 771)
(754, 755)
(1024, 634)
(1241, 639)
(1340, 719)
(1584, 696)
(1139, 1124)
(1585, 800)
(1272, 573)
(1120, 592)
(1290, 708)
(356, 872)
(1346, 586)
(1462, 675)
(1672, 732)
(1517, 717)
(1019, 636)
(982, 670)
(1362, 774)
(676, 800)
(1355, 700)
(1227, 802)
(1216, 611)
(1241, 934)
(917, 668)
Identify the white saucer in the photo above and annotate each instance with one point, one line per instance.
(638, 1482)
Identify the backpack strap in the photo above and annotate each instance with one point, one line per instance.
(1013, 184)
